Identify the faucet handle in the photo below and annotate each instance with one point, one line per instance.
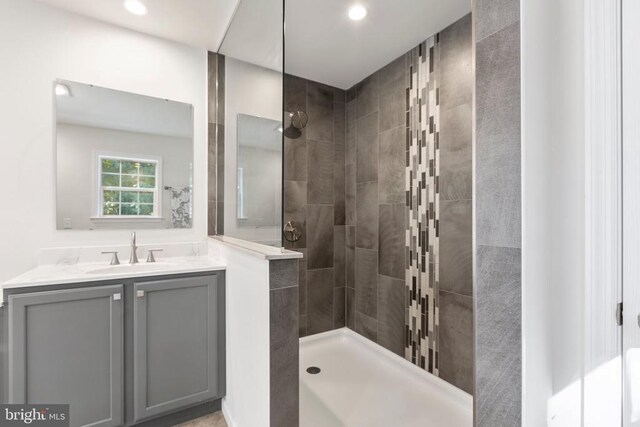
(150, 257)
(114, 257)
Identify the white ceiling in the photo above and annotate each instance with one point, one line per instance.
(200, 23)
(255, 34)
(324, 45)
(321, 43)
(111, 109)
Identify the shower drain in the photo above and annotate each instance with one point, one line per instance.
(313, 370)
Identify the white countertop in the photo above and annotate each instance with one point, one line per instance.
(58, 274)
(270, 253)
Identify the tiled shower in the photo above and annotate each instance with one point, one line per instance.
(380, 184)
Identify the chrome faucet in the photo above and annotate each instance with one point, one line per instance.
(134, 249)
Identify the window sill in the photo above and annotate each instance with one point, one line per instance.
(127, 219)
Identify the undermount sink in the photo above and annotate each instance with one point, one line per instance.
(130, 268)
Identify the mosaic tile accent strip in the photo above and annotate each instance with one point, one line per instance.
(422, 200)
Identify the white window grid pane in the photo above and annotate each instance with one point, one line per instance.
(120, 189)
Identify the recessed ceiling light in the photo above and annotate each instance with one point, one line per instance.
(136, 7)
(62, 90)
(357, 12)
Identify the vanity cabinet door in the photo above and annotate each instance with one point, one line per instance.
(66, 347)
(177, 343)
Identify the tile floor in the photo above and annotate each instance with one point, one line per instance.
(212, 420)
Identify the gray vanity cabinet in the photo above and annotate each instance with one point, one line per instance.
(178, 339)
(66, 347)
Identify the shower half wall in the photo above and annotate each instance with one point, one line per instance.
(384, 201)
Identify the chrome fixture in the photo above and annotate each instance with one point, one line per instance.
(298, 121)
(134, 249)
(114, 257)
(291, 233)
(150, 257)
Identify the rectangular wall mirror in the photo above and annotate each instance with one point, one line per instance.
(122, 160)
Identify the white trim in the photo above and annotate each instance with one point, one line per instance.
(127, 218)
(603, 202)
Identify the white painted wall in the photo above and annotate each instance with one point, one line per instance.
(570, 368)
(247, 400)
(566, 202)
(40, 44)
(631, 230)
(537, 67)
(255, 91)
(76, 150)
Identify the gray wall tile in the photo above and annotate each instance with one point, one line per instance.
(339, 96)
(367, 96)
(295, 158)
(339, 164)
(351, 94)
(350, 149)
(456, 246)
(339, 253)
(456, 64)
(315, 199)
(367, 148)
(211, 163)
(350, 194)
(283, 273)
(392, 168)
(498, 214)
(220, 217)
(391, 314)
(302, 326)
(456, 340)
(350, 256)
(295, 209)
(498, 205)
(221, 89)
(220, 147)
(367, 326)
(494, 15)
(456, 151)
(320, 170)
(295, 93)
(392, 240)
(319, 236)
(211, 218)
(498, 336)
(302, 285)
(339, 295)
(351, 308)
(319, 300)
(320, 112)
(212, 77)
(392, 94)
(367, 215)
(367, 282)
(284, 356)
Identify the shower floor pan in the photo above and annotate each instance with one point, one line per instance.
(360, 384)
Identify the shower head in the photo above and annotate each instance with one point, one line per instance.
(298, 120)
(292, 132)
